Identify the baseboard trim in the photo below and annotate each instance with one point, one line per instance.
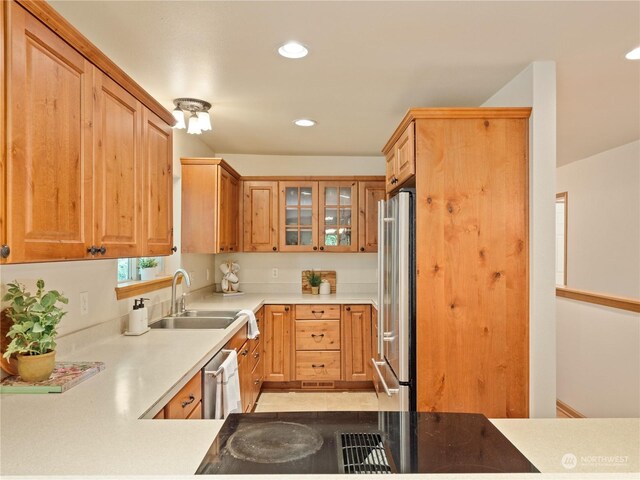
(567, 410)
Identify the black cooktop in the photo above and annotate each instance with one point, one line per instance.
(359, 442)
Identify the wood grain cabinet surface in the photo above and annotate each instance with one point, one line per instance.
(260, 216)
(400, 160)
(472, 253)
(187, 402)
(88, 166)
(277, 340)
(356, 342)
(210, 206)
(369, 194)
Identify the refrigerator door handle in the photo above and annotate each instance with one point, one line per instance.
(389, 391)
(381, 267)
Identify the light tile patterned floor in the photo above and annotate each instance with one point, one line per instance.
(316, 401)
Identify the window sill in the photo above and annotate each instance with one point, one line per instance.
(135, 288)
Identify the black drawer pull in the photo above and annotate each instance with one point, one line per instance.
(314, 335)
(317, 311)
(245, 352)
(191, 400)
(317, 365)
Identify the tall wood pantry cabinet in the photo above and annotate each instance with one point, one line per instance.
(472, 251)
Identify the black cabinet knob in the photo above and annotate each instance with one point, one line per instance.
(321, 248)
(92, 250)
(362, 249)
(274, 248)
(5, 251)
(102, 249)
(348, 309)
(315, 248)
(286, 309)
(174, 249)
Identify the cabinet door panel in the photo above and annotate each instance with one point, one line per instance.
(406, 155)
(117, 169)
(338, 221)
(277, 343)
(260, 204)
(391, 169)
(369, 194)
(356, 344)
(157, 185)
(233, 211)
(298, 216)
(224, 187)
(49, 161)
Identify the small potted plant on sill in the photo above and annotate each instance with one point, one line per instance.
(314, 280)
(33, 333)
(148, 268)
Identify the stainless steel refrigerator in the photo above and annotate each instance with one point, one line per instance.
(395, 362)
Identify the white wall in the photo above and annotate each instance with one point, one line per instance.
(355, 272)
(599, 347)
(604, 221)
(536, 87)
(98, 277)
(284, 165)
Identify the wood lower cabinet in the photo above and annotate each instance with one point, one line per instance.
(356, 342)
(260, 216)
(312, 365)
(369, 194)
(210, 206)
(187, 403)
(277, 340)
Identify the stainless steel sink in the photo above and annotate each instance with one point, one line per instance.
(194, 323)
(208, 313)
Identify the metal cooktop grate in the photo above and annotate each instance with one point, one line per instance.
(363, 453)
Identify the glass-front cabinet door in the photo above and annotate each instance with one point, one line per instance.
(298, 216)
(338, 216)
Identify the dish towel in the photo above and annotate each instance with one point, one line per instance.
(228, 387)
(253, 331)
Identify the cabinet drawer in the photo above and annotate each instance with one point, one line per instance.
(317, 365)
(317, 335)
(317, 312)
(196, 414)
(237, 340)
(186, 400)
(254, 356)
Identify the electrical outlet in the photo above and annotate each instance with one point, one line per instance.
(84, 303)
(274, 273)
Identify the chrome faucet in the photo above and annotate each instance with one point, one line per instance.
(174, 310)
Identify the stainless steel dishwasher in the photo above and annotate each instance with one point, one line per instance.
(209, 387)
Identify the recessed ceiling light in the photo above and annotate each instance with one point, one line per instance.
(293, 50)
(305, 122)
(633, 54)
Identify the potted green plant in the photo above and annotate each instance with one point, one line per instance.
(33, 333)
(314, 280)
(148, 268)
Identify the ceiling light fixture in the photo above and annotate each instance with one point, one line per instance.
(293, 50)
(633, 54)
(199, 120)
(305, 122)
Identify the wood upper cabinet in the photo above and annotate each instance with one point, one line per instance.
(210, 206)
(228, 211)
(48, 171)
(277, 343)
(356, 342)
(401, 159)
(157, 185)
(338, 221)
(88, 168)
(117, 169)
(369, 194)
(298, 216)
(260, 216)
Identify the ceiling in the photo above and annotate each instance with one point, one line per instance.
(368, 63)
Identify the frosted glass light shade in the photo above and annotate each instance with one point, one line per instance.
(194, 125)
(204, 120)
(179, 116)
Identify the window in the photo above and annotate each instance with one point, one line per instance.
(128, 269)
(561, 238)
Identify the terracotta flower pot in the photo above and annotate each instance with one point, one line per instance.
(315, 290)
(36, 368)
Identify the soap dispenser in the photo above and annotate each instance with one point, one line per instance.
(144, 321)
(138, 318)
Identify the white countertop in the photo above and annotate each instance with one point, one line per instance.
(95, 428)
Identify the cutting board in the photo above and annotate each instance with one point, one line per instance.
(325, 274)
